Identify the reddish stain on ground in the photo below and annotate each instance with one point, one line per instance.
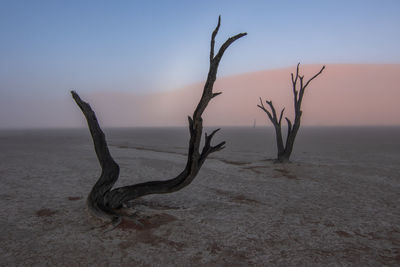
(74, 198)
(45, 212)
(144, 233)
(343, 234)
(146, 223)
(286, 173)
(243, 199)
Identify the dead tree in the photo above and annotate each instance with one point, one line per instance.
(298, 86)
(103, 201)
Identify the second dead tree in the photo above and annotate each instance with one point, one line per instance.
(299, 86)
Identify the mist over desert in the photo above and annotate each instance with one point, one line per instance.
(346, 94)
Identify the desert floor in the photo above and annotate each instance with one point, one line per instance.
(336, 204)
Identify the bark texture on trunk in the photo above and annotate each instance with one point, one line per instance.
(103, 201)
(298, 87)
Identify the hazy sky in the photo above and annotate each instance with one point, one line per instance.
(154, 45)
(49, 47)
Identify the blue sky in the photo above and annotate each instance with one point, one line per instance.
(49, 47)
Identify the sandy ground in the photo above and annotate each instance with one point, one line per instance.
(334, 208)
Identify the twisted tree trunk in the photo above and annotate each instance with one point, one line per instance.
(285, 150)
(103, 201)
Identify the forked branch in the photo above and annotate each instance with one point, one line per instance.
(271, 114)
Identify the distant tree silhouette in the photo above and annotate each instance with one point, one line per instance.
(298, 86)
(103, 201)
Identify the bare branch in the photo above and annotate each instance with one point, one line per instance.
(212, 133)
(294, 80)
(273, 111)
(265, 110)
(100, 144)
(213, 39)
(301, 82)
(297, 104)
(207, 144)
(226, 45)
(218, 147)
(303, 87)
(315, 76)
(262, 105)
(280, 117)
(294, 84)
(268, 113)
(212, 75)
(207, 148)
(216, 94)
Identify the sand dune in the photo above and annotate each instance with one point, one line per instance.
(345, 94)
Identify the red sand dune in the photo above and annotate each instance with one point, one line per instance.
(345, 94)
